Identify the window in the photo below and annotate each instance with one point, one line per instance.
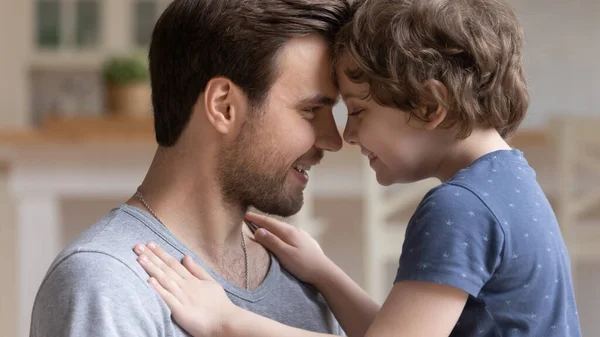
(146, 12)
(87, 23)
(48, 23)
(67, 24)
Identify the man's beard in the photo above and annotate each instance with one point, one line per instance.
(252, 173)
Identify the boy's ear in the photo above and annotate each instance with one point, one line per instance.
(434, 110)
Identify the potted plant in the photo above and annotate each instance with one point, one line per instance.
(128, 92)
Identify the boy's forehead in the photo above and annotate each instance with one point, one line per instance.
(349, 89)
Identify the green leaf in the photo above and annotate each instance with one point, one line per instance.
(125, 70)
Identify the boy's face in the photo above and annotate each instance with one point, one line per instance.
(398, 147)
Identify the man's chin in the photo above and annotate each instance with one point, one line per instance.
(285, 207)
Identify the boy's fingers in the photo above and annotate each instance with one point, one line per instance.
(149, 253)
(169, 298)
(195, 269)
(169, 260)
(276, 227)
(159, 275)
(271, 242)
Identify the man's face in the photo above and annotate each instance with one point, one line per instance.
(267, 166)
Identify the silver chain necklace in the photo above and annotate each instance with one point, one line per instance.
(140, 197)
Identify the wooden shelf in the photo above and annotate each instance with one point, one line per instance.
(83, 131)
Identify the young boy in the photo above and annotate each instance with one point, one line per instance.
(433, 89)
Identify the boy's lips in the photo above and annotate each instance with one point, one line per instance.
(372, 156)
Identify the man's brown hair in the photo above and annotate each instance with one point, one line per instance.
(473, 47)
(196, 40)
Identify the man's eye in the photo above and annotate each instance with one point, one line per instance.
(310, 112)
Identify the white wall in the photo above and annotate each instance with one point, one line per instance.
(561, 56)
(8, 251)
(14, 43)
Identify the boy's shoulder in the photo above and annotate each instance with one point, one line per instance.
(495, 181)
(498, 176)
(495, 169)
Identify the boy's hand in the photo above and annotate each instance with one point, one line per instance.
(197, 302)
(298, 252)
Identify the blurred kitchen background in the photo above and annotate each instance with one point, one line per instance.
(76, 138)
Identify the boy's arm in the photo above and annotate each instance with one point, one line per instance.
(413, 309)
(302, 256)
(93, 294)
(199, 304)
(350, 304)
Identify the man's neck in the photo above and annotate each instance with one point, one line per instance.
(187, 200)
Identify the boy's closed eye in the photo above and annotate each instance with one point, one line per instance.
(356, 112)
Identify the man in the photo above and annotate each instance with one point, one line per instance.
(243, 94)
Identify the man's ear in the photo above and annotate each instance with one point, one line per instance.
(221, 105)
(434, 111)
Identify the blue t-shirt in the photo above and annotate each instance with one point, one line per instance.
(491, 232)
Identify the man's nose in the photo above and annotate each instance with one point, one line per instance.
(350, 134)
(328, 137)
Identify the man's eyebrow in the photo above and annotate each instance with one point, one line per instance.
(319, 100)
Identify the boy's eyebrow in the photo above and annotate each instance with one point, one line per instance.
(319, 99)
(346, 96)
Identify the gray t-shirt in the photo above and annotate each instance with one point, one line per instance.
(96, 287)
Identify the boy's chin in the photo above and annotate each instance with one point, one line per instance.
(385, 179)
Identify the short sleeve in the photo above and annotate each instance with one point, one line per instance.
(93, 294)
(453, 239)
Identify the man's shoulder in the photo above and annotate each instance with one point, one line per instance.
(96, 284)
(94, 291)
(106, 248)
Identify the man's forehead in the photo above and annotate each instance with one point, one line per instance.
(305, 69)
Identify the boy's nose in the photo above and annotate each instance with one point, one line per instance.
(350, 134)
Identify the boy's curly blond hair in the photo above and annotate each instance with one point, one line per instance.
(473, 47)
